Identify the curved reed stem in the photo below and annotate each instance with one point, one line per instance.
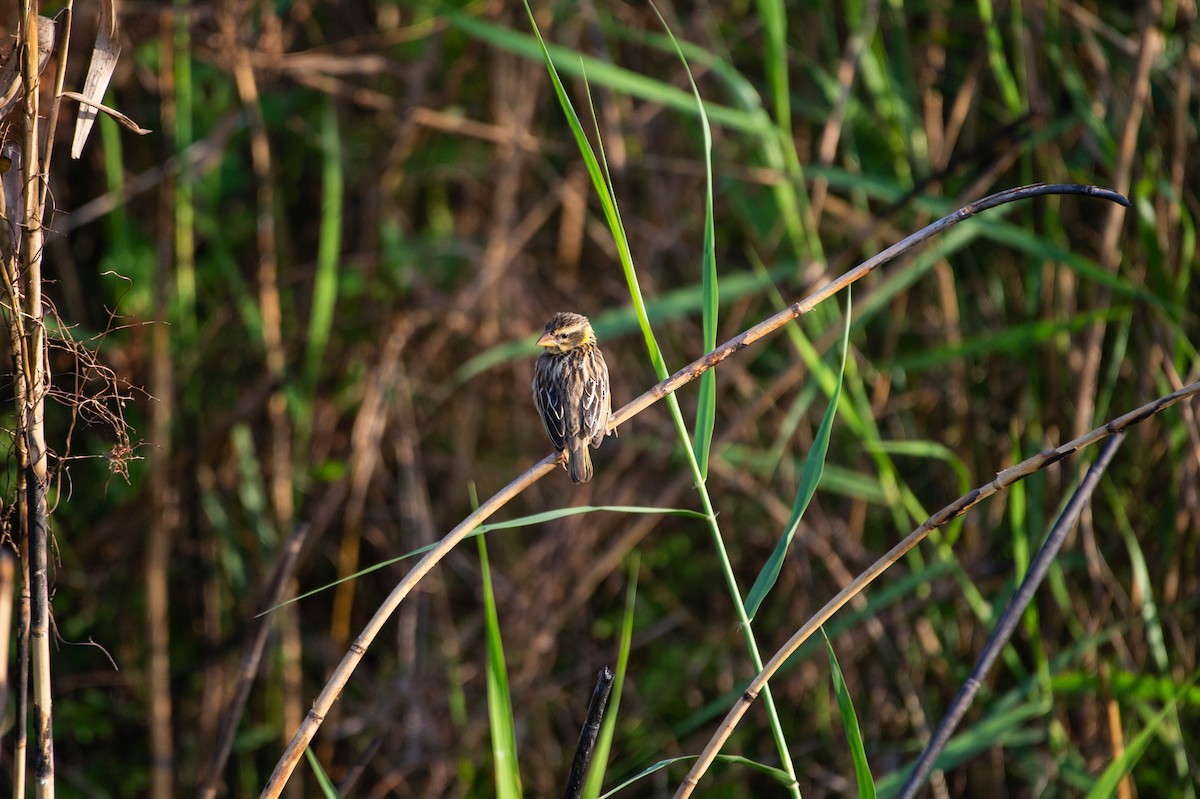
(955, 509)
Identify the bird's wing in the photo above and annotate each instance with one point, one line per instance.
(548, 398)
(595, 405)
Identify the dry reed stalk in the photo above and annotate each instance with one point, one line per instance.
(31, 356)
(947, 514)
(1110, 255)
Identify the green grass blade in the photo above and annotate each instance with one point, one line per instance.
(602, 72)
(1016, 337)
(778, 148)
(595, 777)
(997, 59)
(646, 772)
(252, 488)
(523, 521)
(862, 769)
(774, 23)
(328, 789)
(183, 313)
(1004, 728)
(706, 409)
(601, 180)
(325, 287)
(1117, 770)
(500, 715)
(779, 775)
(1156, 638)
(814, 465)
(598, 172)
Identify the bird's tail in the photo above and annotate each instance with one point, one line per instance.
(579, 464)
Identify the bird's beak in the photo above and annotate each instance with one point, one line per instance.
(547, 340)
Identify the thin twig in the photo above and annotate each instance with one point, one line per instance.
(952, 511)
(1012, 615)
(337, 681)
(117, 116)
(60, 77)
(251, 656)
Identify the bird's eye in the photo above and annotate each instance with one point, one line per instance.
(562, 336)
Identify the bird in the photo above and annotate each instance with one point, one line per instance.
(570, 389)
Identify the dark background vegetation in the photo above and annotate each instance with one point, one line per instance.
(466, 221)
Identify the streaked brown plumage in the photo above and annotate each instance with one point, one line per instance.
(570, 389)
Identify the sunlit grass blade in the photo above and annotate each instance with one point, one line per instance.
(997, 58)
(595, 777)
(601, 72)
(775, 146)
(706, 409)
(1018, 338)
(1156, 638)
(602, 182)
(779, 775)
(523, 521)
(1120, 768)
(814, 465)
(598, 172)
(791, 195)
(1006, 728)
(325, 285)
(1128, 686)
(183, 311)
(774, 23)
(252, 489)
(862, 769)
(500, 715)
(328, 789)
(774, 136)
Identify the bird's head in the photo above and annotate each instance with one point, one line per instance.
(566, 331)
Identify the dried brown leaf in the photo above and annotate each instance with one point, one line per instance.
(11, 86)
(123, 120)
(104, 60)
